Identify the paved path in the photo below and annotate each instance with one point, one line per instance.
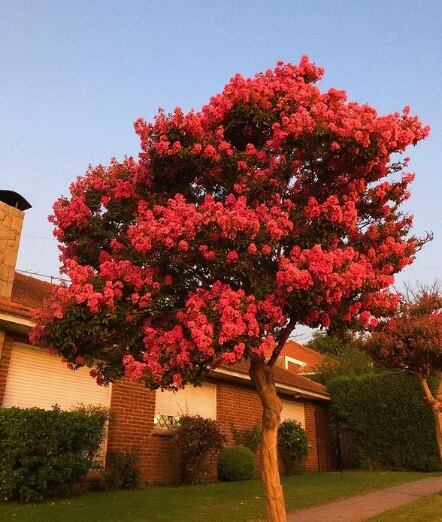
(356, 509)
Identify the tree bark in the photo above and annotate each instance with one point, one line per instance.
(436, 405)
(262, 377)
(438, 419)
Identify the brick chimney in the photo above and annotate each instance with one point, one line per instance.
(12, 207)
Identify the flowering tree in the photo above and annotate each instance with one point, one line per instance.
(270, 207)
(412, 341)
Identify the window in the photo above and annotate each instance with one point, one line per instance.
(170, 406)
(291, 361)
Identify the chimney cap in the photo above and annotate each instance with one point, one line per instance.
(14, 199)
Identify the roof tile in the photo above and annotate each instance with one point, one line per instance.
(282, 376)
(30, 291)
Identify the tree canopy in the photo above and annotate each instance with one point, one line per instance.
(274, 205)
(412, 339)
(331, 344)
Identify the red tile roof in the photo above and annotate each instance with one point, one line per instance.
(283, 376)
(16, 309)
(28, 293)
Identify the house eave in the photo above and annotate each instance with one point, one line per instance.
(285, 389)
(13, 323)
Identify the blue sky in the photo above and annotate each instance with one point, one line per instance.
(74, 75)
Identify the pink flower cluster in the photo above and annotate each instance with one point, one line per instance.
(177, 224)
(334, 276)
(218, 326)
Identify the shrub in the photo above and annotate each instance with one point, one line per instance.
(98, 412)
(248, 437)
(391, 425)
(121, 471)
(46, 453)
(195, 438)
(292, 443)
(236, 463)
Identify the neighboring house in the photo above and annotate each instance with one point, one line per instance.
(30, 376)
(300, 359)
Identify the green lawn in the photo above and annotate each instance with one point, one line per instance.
(219, 502)
(428, 509)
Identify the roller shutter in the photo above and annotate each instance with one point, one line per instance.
(292, 410)
(191, 400)
(37, 378)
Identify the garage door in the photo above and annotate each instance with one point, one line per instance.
(292, 410)
(36, 378)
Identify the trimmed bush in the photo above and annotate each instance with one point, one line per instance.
(46, 453)
(292, 443)
(391, 425)
(121, 471)
(236, 463)
(196, 438)
(248, 437)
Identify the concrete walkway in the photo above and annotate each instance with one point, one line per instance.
(356, 509)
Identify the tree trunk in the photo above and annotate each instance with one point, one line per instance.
(262, 377)
(438, 419)
(436, 405)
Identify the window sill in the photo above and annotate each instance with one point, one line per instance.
(163, 432)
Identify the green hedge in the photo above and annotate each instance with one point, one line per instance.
(392, 426)
(236, 463)
(46, 453)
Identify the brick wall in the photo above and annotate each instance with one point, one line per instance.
(311, 463)
(5, 356)
(324, 438)
(237, 405)
(132, 427)
(302, 353)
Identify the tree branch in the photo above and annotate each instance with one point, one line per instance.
(282, 340)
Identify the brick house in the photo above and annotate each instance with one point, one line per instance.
(30, 376)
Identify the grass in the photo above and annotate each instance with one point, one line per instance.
(220, 502)
(427, 509)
